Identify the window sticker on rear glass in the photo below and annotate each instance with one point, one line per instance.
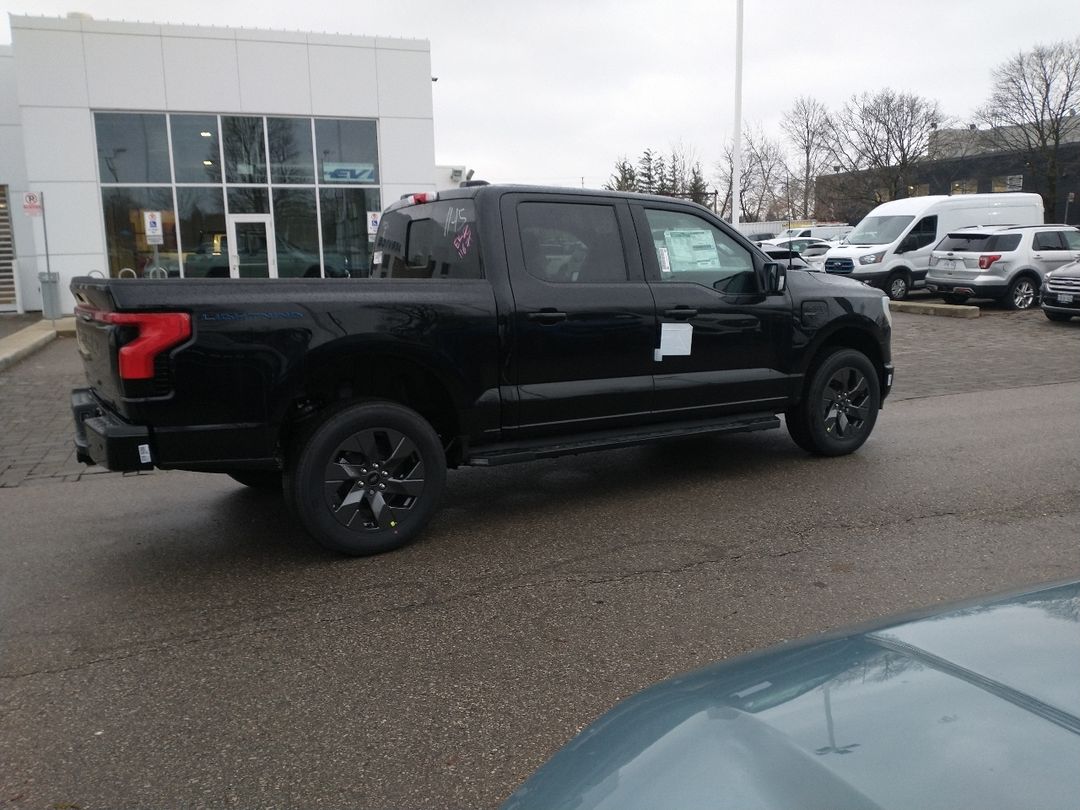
(463, 241)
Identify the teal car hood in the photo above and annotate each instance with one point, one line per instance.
(974, 706)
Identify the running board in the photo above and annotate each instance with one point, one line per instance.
(512, 453)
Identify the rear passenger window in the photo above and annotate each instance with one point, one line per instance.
(1072, 239)
(432, 241)
(1004, 242)
(1048, 240)
(571, 242)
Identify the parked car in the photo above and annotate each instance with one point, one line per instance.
(835, 230)
(760, 237)
(890, 247)
(789, 258)
(977, 705)
(499, 324)
(1005, 263)
(1061, 292)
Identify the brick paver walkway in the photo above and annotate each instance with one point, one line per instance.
(933, 356)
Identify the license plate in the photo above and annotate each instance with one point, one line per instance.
(1065, 299)
(945, 264)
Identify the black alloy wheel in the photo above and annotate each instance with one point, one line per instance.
(367, 478)
(839, 406)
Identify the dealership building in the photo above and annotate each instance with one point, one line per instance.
(144, 150)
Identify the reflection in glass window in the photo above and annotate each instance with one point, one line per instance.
(125, 235)
(571, 242)
(297, 235)
(249, 200)
(429, 241)
(245, 158)
(347, 151)
(290, 150)
(202, 232)
(196, 157)
(132, 148)
(344, 228)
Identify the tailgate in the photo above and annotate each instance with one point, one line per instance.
(97, 340)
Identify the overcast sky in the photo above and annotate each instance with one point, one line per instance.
(552, 91)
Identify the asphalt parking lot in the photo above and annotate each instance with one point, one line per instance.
(169, 639)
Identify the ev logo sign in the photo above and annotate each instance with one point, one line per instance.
(349, 172)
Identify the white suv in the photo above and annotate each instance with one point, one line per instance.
(1006, 262)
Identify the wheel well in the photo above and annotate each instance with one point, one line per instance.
(901, 271)
(335, 381)
(849, 338)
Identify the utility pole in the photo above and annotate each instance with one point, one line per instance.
(736, 156)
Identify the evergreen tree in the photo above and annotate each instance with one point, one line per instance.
(698, 189)
(624, 178)
(663, 179)
(646, 173)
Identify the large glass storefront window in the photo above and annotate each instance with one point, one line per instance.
(202, 231)
(130, 255)
(347, 151)
(196, 155)
(290, 150)
(245, 161)
(345, 213)
(132, 148)
(297, 235)
(205, 173)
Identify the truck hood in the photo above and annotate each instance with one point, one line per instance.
(973, 706)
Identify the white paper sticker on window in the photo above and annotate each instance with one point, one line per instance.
(144, 453)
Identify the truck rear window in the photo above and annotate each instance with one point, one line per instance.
(436, 240)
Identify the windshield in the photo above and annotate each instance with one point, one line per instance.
(878, 230)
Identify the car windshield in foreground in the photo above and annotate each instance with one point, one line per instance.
(878, 230)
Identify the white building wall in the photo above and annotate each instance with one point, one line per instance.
(65, 69)
(13, 174)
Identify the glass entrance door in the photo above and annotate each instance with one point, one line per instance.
(252, 249)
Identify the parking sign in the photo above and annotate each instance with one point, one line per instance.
(152, 223)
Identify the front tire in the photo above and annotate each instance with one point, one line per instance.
(1023, 293)
(367, 478)
(839, 407)
(897, 286)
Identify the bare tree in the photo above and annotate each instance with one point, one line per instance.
(807, 126)
(762, 176)
(1031, 110)
(878, 138)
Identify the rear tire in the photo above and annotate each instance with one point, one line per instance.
(898, 286)
(258, 479)
(839, 407)
(1023, 293)
(367, 478)
(1060, 317)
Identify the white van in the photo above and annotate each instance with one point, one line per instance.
(890, 248)
(834, 231)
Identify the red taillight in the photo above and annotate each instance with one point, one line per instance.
(157, 331)
(423, 197)
(988, 259)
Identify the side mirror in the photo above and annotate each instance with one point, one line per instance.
(775, 278)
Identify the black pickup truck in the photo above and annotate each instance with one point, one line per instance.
(499, 324)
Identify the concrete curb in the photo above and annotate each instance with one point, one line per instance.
(943, 310)
(26, 341)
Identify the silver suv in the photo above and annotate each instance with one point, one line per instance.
(1006, 262)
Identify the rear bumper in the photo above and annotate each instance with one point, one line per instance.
(974, 287)
(102, 438)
